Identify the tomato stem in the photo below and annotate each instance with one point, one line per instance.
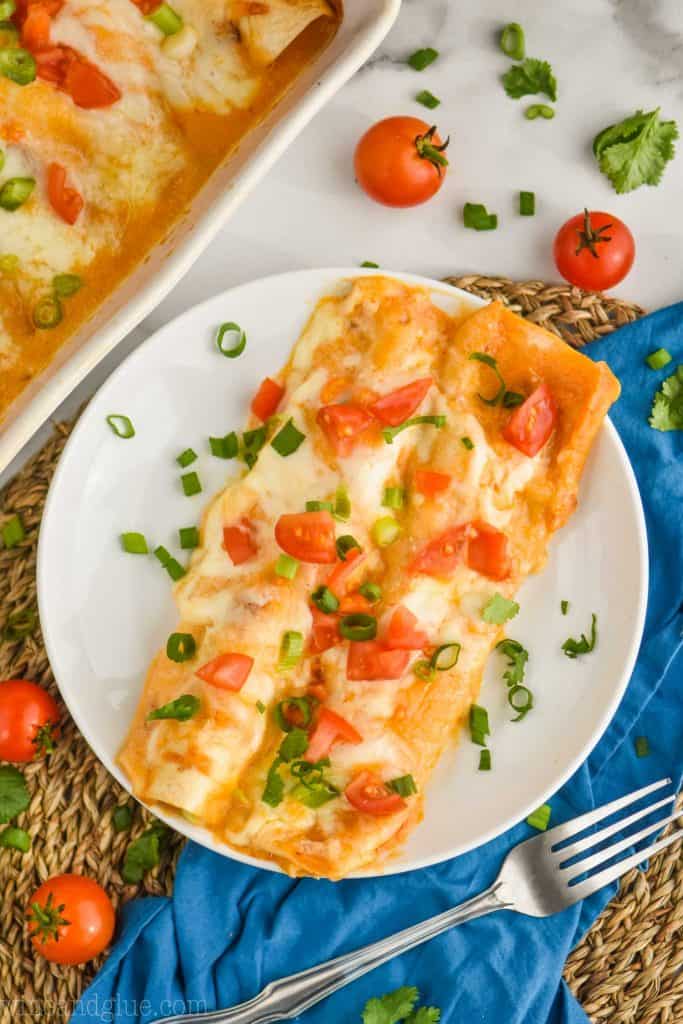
(429, 150)
(47, 920)
(590, 237)
(44, 739)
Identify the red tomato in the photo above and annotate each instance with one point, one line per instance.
(488, 552)
(325, 631)
(227, 671)
(267, 398)
(395, 408)
(367, 793)
(28, 720)
(308, 536)
(430, 483)
(330, 728)
(70, 919)
(532, 423)
(89, 87)
(401, 632)
(594, 250)
(400, 161)
(354, 604)
(35, 31)
(343, 425)
(441, 556)
(337, 580)
(370, 660)
(65, 201)
(239, 543)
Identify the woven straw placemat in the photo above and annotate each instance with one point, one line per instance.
(627, 969)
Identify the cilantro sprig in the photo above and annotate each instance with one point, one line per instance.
(667, 406)
(14, 796)
(573, 648)
(520, 697)
(529, 78)
(400, 1006)
(635, 151)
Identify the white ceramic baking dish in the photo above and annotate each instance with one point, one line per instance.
(364, 25)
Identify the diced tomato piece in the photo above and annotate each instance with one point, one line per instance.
(239, 543)
(532, 423)
(338, 578)
(367, 793)
(354, 604)
(369, 659)
(441, 556)
(35, 31)
(51, 64)
(65, 201)
(429, 482)
(318, 690)
(330, 728)
(343, 425)
(308, 536)
(402, 633)
(325, 632)
(267, 398)
(488, 551)
(88, 86)
(227, 671)
(394, 408)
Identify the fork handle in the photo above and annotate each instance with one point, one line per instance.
(290, 996)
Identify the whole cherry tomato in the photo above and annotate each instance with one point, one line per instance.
(401, 161)
(594, 250)
(70, 919)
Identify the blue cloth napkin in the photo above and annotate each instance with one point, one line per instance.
(229, 929)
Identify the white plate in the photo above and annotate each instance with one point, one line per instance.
(105, 613)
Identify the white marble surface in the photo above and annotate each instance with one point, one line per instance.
(610, 58)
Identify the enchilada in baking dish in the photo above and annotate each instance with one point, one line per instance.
(403, 475)
(112, 116)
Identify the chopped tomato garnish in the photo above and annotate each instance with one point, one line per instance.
(308, 536)
(72, 73)
(325, 632)
(441, 556)
(267, 398)
(35, 30)
(532, 423)
(369, 659)
(354, 604)
(343, 425)
(394, 408)
(67, 202)
(367, 793)
(239, 543)
(402, 633)
(330, 728)
(488, 551)
(429, 482)
(318, 690)
(227, 671)
(337, 580)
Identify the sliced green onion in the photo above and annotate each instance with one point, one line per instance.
(181, 709)
(564, 607)
(511, 399)
(642, 745)
(13, 532)
(231, 329)
(342, 504)
(467, 442)
(539, 110)
(527, 204)
(9, 263)
(445, 657)
(186, 458)
(484, 760)
(484, 357)
(134, 543)
(389, 433)
(521, 700)
(404, 785)
(291, 649)
(66, 285)
(252, 443)
(260, 707)
(323, 598)
(476, 216)
(2, 153)
(540, 818)
(358, 626)
(19, 625)
(370, 264)
(346, 543)
(657, 360)
(385, 531)
(13, 838)
(121, 425)
(319, 506)
(170, 564)
(47, 312)
(163, 554)
(428, 99)
(189, 537)
(372, 592)
(7, 9)
(19, 66)
(191, 484)
(479, 724)
(421, 59)
(573, 647)
(181, 647)
(122, 818)
(304, 710)
(423, 670)
(166, 19)
(314, 796)
(225, 447)
(15, 191)
(286, 567)
(287, 440)
(512, 41)
(9, 34)
(394, 497)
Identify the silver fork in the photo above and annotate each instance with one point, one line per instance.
(535, 879)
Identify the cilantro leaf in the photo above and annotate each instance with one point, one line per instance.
(573, 648)
(635, 151)
(499, 609)
(424, 1015)
(391, 1008)
(530, 77)
(667, 406)
(14, 796)
(143, 854)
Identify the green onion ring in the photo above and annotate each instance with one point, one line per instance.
(358, 626)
